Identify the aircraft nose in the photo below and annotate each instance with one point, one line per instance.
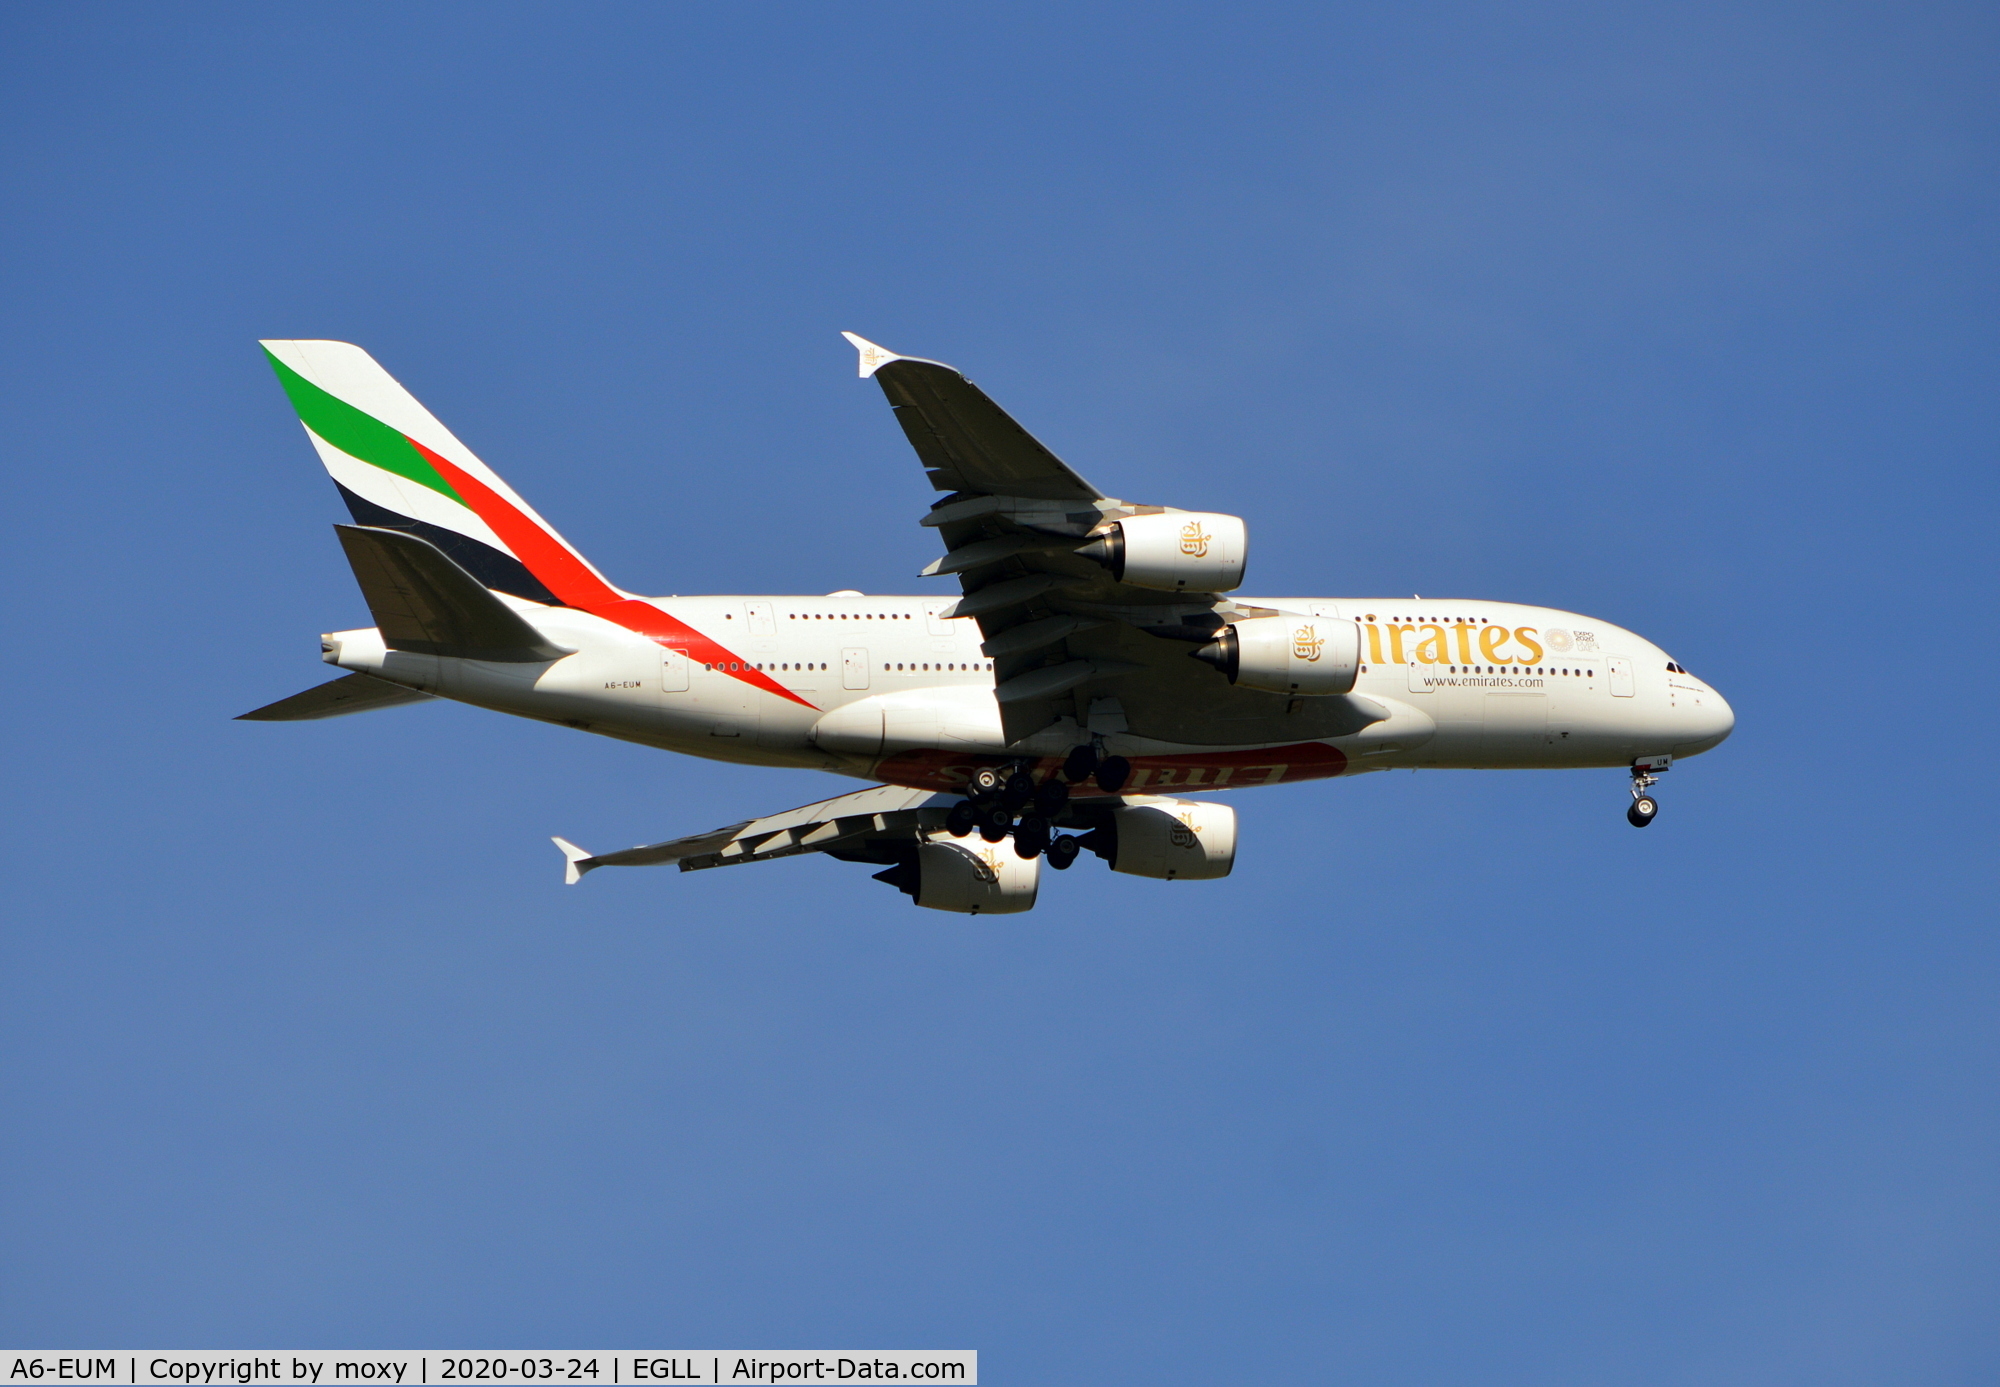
(1711, 721)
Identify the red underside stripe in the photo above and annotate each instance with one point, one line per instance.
(571, 580)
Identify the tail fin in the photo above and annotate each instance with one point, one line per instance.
(400, 469)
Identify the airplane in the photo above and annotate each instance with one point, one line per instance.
(1092, 671)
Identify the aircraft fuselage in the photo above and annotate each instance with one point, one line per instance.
(884, 688)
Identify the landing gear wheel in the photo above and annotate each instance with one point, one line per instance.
(986, 780)
(1112, 773)
(1050, 797)
(1080, 763)
(1062, 852)
(1020, 788)
(963, 818)
(995, 824)
(1031, 837)
(1642, 811)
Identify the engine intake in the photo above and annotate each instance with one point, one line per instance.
(1175, 551)
(1312, 655)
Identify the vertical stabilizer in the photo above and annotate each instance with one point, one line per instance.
(398, 468)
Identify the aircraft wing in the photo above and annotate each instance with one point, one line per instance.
(845, 826)
(964, 440)
(1068, 640)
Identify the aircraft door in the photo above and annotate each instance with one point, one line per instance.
(854, 668)
(1621, 677)
(1419, 675)
(762, 622)
(673, 670)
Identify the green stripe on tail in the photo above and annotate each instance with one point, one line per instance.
(357, 434)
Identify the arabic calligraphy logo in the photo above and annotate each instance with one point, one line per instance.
(1307, 643)
(1194, 540)
(986, 865)
(1182, 834)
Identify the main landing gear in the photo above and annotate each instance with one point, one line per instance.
(1646, 772)
(1000, 802)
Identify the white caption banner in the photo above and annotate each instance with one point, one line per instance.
(484, 1367)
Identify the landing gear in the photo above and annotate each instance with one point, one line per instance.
(1646, 772)
(1080, 763)
(1050, 797)
(1031, 837)
(1019, 789)
(1007, 801)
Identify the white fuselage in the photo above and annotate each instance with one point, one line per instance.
(881, 687)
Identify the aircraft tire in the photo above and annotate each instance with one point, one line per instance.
(1079, 764)
(995, 824)
(962, 819)
(986, 780)
(1050, 797)
(1062, 852)
(1642, 811)
(1031, 837)
(1112, 773)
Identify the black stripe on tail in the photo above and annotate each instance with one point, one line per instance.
(493, 569)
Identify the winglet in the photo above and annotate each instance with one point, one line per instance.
(873, 358)
(572, 855)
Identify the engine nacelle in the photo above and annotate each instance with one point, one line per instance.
(1168, 839)
(1177, 551)
(1305, 655)
(976, 877)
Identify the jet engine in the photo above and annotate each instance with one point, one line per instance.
(1310, 655)
(969, 879)
(1168, 839)
(1175, 551)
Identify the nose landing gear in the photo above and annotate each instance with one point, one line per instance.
(1646, 772)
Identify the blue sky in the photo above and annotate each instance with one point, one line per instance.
(1682, 317)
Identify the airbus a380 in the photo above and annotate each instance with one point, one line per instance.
(1093, 670)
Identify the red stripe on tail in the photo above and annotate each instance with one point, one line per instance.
(574, 585)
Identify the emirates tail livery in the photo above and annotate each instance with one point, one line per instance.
(1093, 669)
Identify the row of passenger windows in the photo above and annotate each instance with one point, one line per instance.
(942, 669)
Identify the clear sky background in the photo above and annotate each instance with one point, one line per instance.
(1679, 316)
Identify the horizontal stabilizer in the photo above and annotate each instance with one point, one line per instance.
(425, 604)
(357, 693)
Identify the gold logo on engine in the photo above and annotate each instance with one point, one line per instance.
(1182, 834)
(1194, 540)
(1307, 643)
